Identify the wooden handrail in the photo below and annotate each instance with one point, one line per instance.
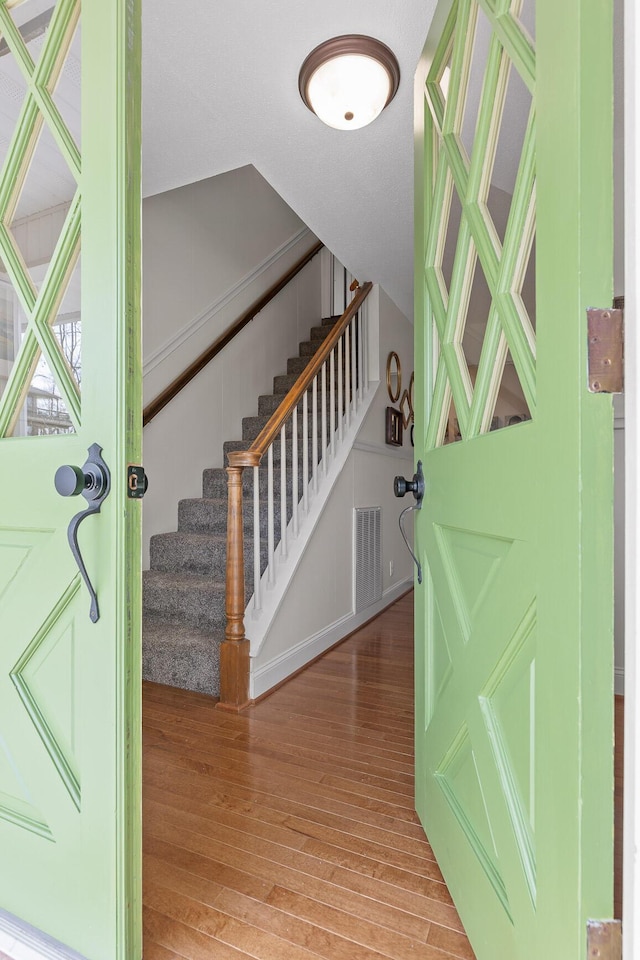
(194, 368)
(255, 453)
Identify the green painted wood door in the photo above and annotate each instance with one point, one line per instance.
(514, 621)
(69, 378)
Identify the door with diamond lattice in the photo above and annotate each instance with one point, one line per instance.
(69, 379)
(514, 674)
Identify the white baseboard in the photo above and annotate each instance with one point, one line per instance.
(21, 941)
(269, 674)
(619, 681)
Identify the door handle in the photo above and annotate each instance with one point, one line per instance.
(416, 486)
(93, 481)
(402, 486)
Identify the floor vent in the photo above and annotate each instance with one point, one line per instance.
(368, 556)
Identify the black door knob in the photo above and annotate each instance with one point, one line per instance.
(91, 481)
(402, 486)
(69, 481)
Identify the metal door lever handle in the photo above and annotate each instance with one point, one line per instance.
(93, 481)
(416, 486)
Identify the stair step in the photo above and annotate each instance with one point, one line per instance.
(268, 403)
(198, 553)
(330, 321)
(214, 484)
(209, 516)
(233, 446)
(252, 426)
(323, 331)
(283, 382)
(297, 365)
(181, 655)
(184, 598)
(309, 347)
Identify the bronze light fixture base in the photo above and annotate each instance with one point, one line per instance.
(349, 45)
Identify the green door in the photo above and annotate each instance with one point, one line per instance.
(69, 378)
(514, 618)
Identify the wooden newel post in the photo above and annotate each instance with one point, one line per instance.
(234, 650)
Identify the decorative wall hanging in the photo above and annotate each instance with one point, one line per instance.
(393, 427)
(394, 377)
(394, 390)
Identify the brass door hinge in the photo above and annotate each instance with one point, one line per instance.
(606, 350)
(604, 940)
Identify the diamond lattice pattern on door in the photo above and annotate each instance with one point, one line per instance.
(41, 151)
(481, 207)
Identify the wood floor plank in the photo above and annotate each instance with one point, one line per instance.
(222, 928)
(352, 762)
(280, 795)
(293, 869)
(314, 937)
(301, 817)
(185, 940)
(323, 893)
(365, 932)
(261, 775)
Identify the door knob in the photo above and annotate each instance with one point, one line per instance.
(93, 481)
(402, 486)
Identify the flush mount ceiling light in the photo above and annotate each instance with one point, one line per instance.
(349, 80)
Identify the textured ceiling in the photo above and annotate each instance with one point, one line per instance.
(220, 91)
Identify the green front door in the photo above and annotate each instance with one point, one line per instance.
(69, 378)
(514, 619)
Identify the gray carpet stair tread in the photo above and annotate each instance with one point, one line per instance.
(181, 655)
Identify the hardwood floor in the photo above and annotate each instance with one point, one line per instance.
(288, 832)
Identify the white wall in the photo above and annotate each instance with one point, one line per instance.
(210, 250)
(318, 609)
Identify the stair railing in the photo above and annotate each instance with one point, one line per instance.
(184, 379)
(327, 395)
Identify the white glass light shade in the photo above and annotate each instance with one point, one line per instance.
(347, 81)
(349, 92)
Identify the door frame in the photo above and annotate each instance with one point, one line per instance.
(631, 858)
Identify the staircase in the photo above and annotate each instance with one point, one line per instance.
(184, 591)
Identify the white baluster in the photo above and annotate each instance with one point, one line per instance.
(324, 418)
(340, 383)
(354, 372)
(347, 375)
(270, 525)
(365, 344)
(257, 592)
(360, 360)
(294, 468)
(283, 493)
(332, 401)
(314, 433)
(305, 452)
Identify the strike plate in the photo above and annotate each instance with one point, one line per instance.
(606, 350)
(137, 482)
(604, 940)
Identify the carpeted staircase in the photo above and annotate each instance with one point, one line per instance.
(184, 591)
